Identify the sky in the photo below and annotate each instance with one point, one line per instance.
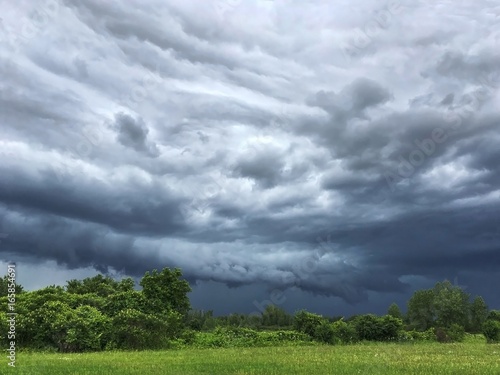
(327, 155)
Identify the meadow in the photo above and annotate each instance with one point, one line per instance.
(471, 357)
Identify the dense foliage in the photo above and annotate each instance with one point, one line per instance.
(100, 313)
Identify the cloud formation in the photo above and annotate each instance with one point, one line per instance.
(337, 152)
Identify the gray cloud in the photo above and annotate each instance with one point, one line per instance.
(133, 133)
(249, 152)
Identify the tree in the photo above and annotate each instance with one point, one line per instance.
(103, 286)
(32, 327)
(56, 319)
(491, 330)
(478, 314)
(196, 319)
(368, 327)
(390, 327)
(324, 332)
(494, 315)
(395, 311)
(441, 306)
(131, 299)
(421, 312)
(88, 330)
(451, 305)
(343, 332)
(307, 322)
(274, 316)
(132, 329)
(4, 287)
(166, 291)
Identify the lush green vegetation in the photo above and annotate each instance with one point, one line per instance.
(101, 314)
(469, 358)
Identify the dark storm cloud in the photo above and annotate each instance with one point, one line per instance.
(133, 133)
(353, 99)
(264, 167)
(249, 152)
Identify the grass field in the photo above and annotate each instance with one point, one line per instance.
(377, 358)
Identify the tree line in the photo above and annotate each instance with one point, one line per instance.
(100, 313)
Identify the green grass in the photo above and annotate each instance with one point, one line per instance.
(472, 357)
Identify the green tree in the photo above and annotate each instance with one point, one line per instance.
(274, 316)
(196, 319)
(324, 332)
(491, 330)
(131, 299)
(390, 327)
(132, 329)
(166, 291)
(451, 304)
(103, 286)
(4, 287)
(88, 330)
(478, 314)
(344, 333)
(395, 311)
(307, 322)
(421, 313)
(32, 327)
(55, 321)
(368, 327)
(494, 315)
(373, 328)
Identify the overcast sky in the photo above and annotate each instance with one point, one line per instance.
(341, 153)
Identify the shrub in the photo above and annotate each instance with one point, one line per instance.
(491, 330)
(441, 335)
(454, 333)
(414, 335)
(494, 315)
(324, 332)
(307, 322)
(88, 330)
(132, 329)
(373, 328)
(283, 336)
(188, 336)
(234, 337)
(244, 337)
(368, 327)
(390, 327)
(343, 332)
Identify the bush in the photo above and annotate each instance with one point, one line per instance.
(227, 337)
(491, 330)
(441, 335)
(188, 336)
(283, 337)
(373, 328)
(132, 329)
(494, 315)
(454, 333)
(89, 329)
(414, 335)
(344, 333)
(235, 337)
(324, 332)
(390, 327)
(307, 322)
(368, 327)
